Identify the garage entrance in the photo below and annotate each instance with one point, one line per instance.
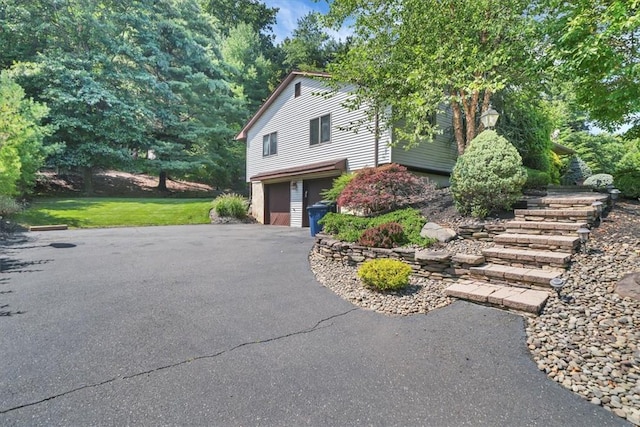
(278, 204)
(311, 194)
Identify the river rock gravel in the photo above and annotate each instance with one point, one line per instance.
(590, 345)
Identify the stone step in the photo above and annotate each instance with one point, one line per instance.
(527, 257)
(509, 297)
(587, 215)
(544, 227)
(567, 201)
(518, 276)
(568, 244)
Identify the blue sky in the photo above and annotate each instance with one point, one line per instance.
(292, 10)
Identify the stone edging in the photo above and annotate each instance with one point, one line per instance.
(425, 263)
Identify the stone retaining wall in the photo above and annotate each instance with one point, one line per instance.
(425, 263)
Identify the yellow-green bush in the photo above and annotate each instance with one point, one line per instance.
(385, 274)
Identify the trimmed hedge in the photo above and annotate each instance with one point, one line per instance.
(537, 179)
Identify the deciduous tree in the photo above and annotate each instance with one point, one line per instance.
(417, 55)
(596, 45)
(21, 133)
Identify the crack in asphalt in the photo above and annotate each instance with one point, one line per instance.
(312, 329)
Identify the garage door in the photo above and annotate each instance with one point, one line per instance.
(278, 204)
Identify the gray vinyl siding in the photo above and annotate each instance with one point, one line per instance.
(439, 155)
(297, 210)
(289, 116)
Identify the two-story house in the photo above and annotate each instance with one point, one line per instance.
(299, 141)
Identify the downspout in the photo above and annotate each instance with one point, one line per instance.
(376, 138)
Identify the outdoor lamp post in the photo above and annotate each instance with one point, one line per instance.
(598, 208)
(615, 193)
(489, 117)
(557, 283)
(583, 233)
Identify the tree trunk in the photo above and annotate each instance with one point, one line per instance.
(486, 101)
(87, 180)
(471, 106)
(458, 126)
(162, 181)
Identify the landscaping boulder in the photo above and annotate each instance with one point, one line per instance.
(629, 286)
(435, 231)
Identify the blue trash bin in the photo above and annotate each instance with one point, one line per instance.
(316, 212)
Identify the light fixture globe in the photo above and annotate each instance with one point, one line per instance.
(489, 118)
(598, 207)
(615, 194)
(557, 283)
(583, 233)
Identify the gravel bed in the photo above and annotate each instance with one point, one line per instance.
(421, 296)
(590, 345)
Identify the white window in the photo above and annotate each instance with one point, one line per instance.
(270, 144)
(320, 130)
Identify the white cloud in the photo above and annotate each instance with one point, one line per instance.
(342, 33)
(291, 10)
(287, 17)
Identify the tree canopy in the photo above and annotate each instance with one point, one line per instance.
(142, 76)
(596, 45)
(310, 47)
(21, 134)
(419, 56)
(164, 85)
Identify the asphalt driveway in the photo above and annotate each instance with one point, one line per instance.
(225, 325)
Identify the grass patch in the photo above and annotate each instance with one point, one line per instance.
(115, 212)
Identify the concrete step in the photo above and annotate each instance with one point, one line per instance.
(518, 276)
(567, 244)
(567, 201)
(509, 297)
(53, 227)
(587, 215)
(527, 257)
(544, 227)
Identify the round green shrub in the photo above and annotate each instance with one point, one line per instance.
(576, 172)
(599, 181)
(630, 161)
(628, 183)
(385, 274)
(388, 235)
(488, 177)
(231, 205)
(537, 179)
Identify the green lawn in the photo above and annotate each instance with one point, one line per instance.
(115, 212)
